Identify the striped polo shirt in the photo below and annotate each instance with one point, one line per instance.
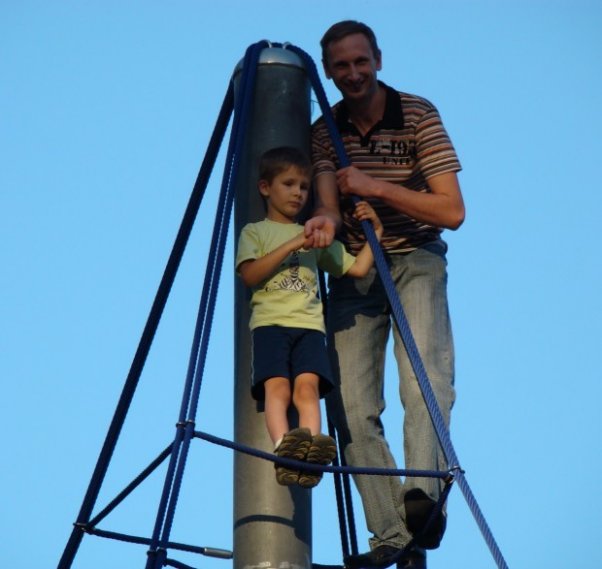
(407, 147)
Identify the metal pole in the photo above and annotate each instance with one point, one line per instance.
(272, 523)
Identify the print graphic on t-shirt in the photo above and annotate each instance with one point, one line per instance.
(291, 282)
(393, 150)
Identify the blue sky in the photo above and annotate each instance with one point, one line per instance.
(107, 108)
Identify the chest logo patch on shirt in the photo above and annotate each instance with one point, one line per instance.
(393, 150)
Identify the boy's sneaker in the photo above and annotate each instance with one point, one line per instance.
(295, 444)
(322, 450)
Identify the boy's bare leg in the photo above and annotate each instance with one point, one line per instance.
(288, 443)
(277, 402)
(306, 399)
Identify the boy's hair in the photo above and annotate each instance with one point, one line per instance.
(277, 160)
(346, 28)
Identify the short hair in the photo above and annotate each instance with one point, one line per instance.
(346, 28)
(277, 160)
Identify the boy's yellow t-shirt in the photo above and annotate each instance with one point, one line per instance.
(290, 296)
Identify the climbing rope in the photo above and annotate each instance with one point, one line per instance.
(310, 467)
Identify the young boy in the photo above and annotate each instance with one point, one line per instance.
(290, 361)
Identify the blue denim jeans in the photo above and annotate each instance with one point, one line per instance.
(359, 322)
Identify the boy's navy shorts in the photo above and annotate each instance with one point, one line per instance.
(279, 351)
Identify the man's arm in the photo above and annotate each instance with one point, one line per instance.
(443, 207)
(321, 228)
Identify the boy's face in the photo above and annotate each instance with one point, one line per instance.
(286, 194)
(352, 65)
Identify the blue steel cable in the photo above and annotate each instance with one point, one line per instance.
(338, 489)
(156, 553)
(181, 427)
(130, 487)
(402, 323)
(247, 88)
(176, 564)
(341, 481)
(153, 558)
(337, 478)
(349, 506)
(184, 433)
(148, 333)
(241, 123)
(206, 551)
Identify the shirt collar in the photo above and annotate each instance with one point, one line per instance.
(392, 117)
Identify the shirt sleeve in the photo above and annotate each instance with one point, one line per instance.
(249, 247)
(335, 260)
(322, 151)
(435, 151)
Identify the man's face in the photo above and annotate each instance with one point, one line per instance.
(352, 65)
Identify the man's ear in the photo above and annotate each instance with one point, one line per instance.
(379, 60)
(263, 188)
(328, 76)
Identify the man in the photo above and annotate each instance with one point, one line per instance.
(404, 164)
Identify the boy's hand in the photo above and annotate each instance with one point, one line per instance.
(319, 232)
(364, 211)
(297, 242)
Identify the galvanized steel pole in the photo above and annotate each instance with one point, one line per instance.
(272, 523)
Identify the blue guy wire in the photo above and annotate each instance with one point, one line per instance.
(130, 488)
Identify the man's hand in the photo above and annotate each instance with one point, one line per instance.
(352, 181)
(319, 232)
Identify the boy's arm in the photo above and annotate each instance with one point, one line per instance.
(254, 271)
(365, 258)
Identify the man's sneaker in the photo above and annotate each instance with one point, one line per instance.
(378, 558)
(294, 444)
(386, 555)
(413, 559)
(419, 507)
(322, 451)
